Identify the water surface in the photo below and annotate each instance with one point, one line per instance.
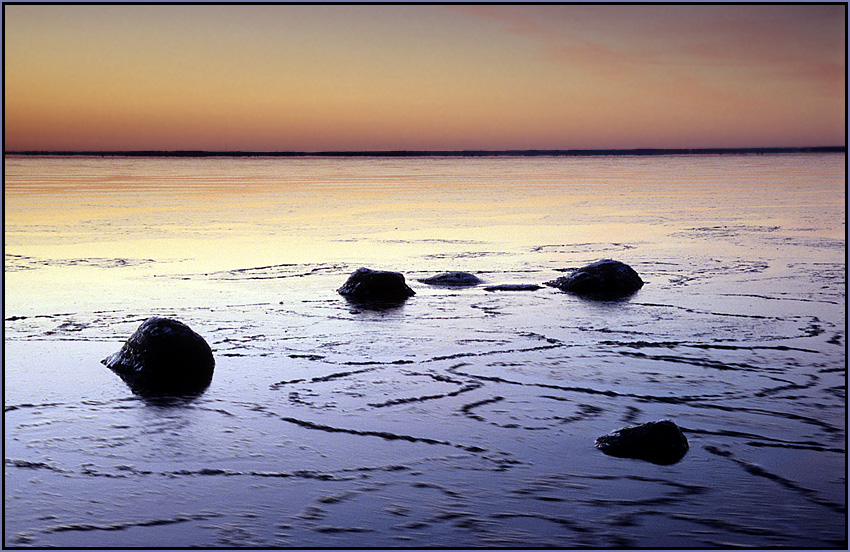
(462, 418)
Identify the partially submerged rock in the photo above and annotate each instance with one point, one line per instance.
(375, 286)
(513, 287)
(659, 442)
(605, 279)
(164, 357)
(452, 279)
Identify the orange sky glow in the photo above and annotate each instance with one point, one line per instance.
(422, 77)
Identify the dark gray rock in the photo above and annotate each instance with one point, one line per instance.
(164, 357)
(513, 287)
(604, 279)
(452, 279)
(659, 442)
(375, 286)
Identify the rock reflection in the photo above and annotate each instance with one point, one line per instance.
(169, 401)
(374, 306)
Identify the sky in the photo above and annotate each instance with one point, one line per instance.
(422, 77)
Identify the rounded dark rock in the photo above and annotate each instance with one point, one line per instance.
(452, 279)
(659, 442)
(164, 357)
(605, 279)
(375, 286)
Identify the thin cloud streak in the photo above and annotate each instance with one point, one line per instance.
(742, 64)
(678, 37)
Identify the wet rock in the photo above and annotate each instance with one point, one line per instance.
(513, 287)
(375, 286)
(659, 442)
(453, 279)
(164, 357)
(606, 279)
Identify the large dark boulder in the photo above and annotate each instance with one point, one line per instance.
(659, 442)
(452, 279)
(164, 357)
(367, 286)
(604, 279)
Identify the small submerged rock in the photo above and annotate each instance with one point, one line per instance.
(659, 442)
(604, 279)
(513, 287)
(164, 357)
(375, 286)
(452, 279)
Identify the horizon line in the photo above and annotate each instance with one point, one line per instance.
(435, 153)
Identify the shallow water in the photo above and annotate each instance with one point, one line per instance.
(462, 418)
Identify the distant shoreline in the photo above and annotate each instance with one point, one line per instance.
(441, 153)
